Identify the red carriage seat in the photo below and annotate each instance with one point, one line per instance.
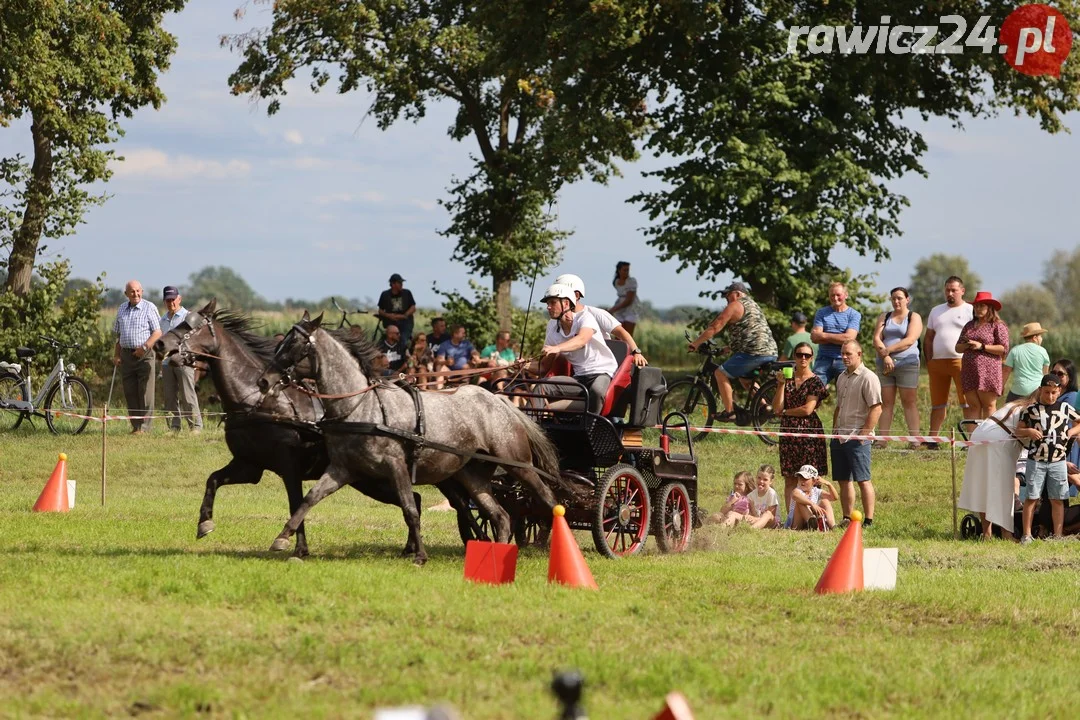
(622, 377)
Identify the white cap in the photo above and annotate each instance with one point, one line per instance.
(573, 282)
(559, 290)
(807, 471)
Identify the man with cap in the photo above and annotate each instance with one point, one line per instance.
(749, 337)
(397, 307)
(609, 325)
(181, 400)
(137, 328)
(799, 334)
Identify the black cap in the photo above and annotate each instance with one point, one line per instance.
(1050, 379)
(733, 287)
(396, 278)
(170, 292)
(798, 317)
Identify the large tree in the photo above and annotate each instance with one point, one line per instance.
(782, 157)
(74, 69)
(1061, 276)
(539, 88)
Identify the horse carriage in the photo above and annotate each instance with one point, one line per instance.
(613, 484)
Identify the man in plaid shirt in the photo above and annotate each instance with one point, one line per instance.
(136, 329)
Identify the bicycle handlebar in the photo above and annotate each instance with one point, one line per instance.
(57, 344)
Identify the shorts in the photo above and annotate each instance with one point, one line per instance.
(741, 365)
(828, 369)
(850, 460)
(1053, 474)
(905, 377)
(941, 372)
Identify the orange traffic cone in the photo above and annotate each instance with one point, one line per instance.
(675, 708)
(54, 498)
(844, 573)
(566, 564)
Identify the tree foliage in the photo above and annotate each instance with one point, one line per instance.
(1061, 276)
(223, 283)
(928, 280)
(1029, 303)
(481, 320)
(782, 157)
(541, 88)
(74, 69)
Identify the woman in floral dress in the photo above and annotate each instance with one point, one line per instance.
(798, 400)
(984, 342)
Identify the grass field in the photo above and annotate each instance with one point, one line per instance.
(118, 610)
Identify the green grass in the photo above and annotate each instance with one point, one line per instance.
(118, 609)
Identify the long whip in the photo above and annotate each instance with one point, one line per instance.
(111, 385)
(528, 308)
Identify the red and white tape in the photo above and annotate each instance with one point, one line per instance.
(941, 439)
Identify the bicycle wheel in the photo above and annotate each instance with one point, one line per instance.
(75, 398)
(11, 388)
(692, 398)
(761, 410)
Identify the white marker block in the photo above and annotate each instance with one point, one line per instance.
(879, 568)
(71, 494)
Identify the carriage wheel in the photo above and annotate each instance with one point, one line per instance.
(621, 525)
(674, 518)
(473, 525)
(970, 527)
(529, 532)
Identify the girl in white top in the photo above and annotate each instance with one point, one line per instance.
(626, 308)
(812, 498)
(764, 503)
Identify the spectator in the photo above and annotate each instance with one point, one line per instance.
(799, 334)
(393, 348)
(896, 339)
(137, 328)
(983, 342)
(989, 485)
(626, 306)
(609, 326)
(421, 361)
(397, 307)
(438, 334)
(764, 505)
(498, 356)
(798, 400)
(943, 361)
(811, 501)
(181, 400)
(1044, 423)
(751, 341)
(833, 326)
(456, 353)
(737, 505)
(858, 409)
(1026, 363)
(1066, 372)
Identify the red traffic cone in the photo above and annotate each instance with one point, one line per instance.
(566, 564)
(844, 573)
(54, 498)
(675, 708)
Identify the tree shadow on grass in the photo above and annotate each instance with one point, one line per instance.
(360, 551)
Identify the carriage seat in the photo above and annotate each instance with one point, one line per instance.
(619, 381)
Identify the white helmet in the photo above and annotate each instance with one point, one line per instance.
(558, 290)
(573, 282)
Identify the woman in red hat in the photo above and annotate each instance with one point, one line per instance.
(984, 342)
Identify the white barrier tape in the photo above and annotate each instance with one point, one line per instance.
(132, 417)
(941, 439)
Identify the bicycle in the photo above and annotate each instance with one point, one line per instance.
(696, 395)
(61, 393)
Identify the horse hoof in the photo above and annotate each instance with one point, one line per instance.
(295, 559)
(419, 560)
(205, 528)
(280, 545)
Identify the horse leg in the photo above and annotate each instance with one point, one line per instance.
(294, 487)
(236, 472)
(384, 493)
(327, 485)
(477, 482)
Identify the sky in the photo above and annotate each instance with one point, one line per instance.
(317, 201)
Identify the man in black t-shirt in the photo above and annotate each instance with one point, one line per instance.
(438, 334)
(394, 350)
(397, 307)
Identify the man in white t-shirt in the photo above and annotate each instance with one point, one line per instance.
(609, 325)
(943, 326)
(576, 337)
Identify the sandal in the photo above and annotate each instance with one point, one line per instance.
(725, 417)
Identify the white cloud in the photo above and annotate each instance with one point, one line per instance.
(368, 196)
(294, 137)
(428, 205)
(160, 165)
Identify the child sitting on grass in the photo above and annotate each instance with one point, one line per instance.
(764, 503)
(737, 505)
(812, 500)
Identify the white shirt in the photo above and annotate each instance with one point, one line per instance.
(605, 320)
(595, 358)
(764, 502)
(168, 323)
(947, 322)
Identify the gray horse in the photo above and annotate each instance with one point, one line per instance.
(469, 419)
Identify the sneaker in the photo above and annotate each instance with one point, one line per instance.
(930, 445)
(844, 523)
(1026, 540)
(868, 522)
(1054, 538)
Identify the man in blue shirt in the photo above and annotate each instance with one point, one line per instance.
(137, 328)
(457, 352)
(833, 326)
(181, 400)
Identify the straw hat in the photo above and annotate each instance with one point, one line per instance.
(1032, 329)
(984, 296)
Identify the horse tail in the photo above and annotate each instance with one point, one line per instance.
(545, 456)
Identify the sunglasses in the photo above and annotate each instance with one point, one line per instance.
(1060, 373)
(805, 356)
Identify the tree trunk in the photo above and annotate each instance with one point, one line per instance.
(500, 285)
(24, 243)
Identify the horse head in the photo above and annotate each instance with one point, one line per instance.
(193, 337)
(295, 358)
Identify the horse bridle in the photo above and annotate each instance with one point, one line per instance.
(309, 354)
(201, 320)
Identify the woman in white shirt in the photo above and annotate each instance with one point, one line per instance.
(626, 307)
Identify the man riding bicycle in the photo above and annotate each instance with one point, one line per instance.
(751, 341)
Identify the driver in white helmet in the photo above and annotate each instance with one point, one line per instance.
(578, 338)
(609, 325)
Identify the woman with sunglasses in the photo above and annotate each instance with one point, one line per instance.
(1066, 372)
(798, 399)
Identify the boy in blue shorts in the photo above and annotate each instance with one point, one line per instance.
(1045, 423)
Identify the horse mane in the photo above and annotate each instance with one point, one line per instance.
(355, 340)
(243, 326)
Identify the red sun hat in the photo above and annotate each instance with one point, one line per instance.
(985, 297)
